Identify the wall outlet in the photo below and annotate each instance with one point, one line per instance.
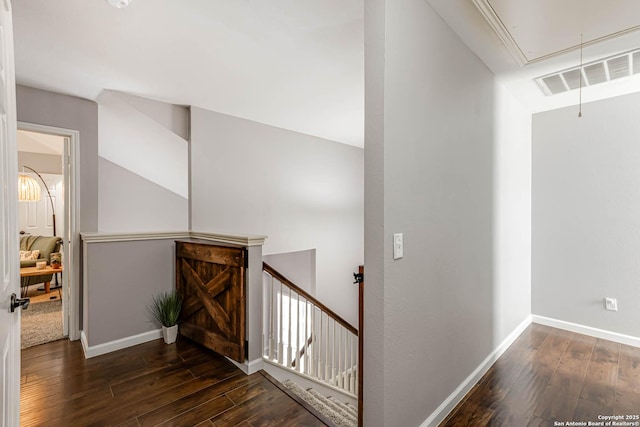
(611, 304)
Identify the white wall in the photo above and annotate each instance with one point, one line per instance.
(301, 191)
(512, 213)
(143, 167)
(447, 164)
(586, 214)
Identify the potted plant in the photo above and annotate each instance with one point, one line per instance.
(165, 309)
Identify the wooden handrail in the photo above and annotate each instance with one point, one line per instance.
(273, 272)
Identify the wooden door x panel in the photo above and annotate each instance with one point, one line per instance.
(211, 281)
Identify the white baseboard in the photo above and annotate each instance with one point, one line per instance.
(108, 347)
(248, 367)
(461, 391)
(588, 330)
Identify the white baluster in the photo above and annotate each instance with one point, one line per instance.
(280, 329)
(333, 351)
(298, 358)
(271, 319)
(307, 322)
(314, 362)
(327, 366)
(289, 349)
(339, 355)
(321, 348)
(351, 366)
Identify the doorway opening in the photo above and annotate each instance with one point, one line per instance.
(48, 154)
(41, 225)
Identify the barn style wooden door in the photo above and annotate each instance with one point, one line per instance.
(211, 280)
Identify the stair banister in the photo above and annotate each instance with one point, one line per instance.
(309, 339)
(274, 273)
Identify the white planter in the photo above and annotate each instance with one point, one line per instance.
(170, 333)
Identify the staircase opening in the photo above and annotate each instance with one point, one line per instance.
(302, 335)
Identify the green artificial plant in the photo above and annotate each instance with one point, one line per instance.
(165, 308)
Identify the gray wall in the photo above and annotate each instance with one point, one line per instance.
(53, 109)
(121, 279)
(43, 163)
(301, 191)
(586, 214)
(131, 203)
(299, 267)
(443, 141)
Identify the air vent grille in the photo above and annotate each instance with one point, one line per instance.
(596, 72)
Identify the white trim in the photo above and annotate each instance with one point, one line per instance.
(461, 391)
(514, 49)
(587, 330)
(72, 194)
(245, 240)
(248, 367)
(503, 34)
(129, 237)
(108, 347)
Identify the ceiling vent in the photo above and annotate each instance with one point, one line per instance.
(593, 73)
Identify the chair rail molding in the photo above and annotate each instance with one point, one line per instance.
(238, 239)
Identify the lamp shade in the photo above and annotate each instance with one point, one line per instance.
(28, 188)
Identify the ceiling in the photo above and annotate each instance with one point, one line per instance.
(521, 40)
(293, 64)
(35, 142)
(297, 64)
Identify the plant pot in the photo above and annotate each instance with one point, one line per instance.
(170, 334)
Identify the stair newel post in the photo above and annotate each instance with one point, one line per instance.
(360, 344)
(359, 280)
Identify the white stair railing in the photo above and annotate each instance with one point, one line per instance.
(303, 335)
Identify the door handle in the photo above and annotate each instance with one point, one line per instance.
(19, 302)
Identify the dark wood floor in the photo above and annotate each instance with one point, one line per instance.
(549, 375)
(147, 385)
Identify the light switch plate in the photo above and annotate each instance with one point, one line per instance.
(397, 246)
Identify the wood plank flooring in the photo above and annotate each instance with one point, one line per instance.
(546, 376)
(151, 384)
(550, 376)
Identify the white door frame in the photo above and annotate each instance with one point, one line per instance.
(71, 161)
